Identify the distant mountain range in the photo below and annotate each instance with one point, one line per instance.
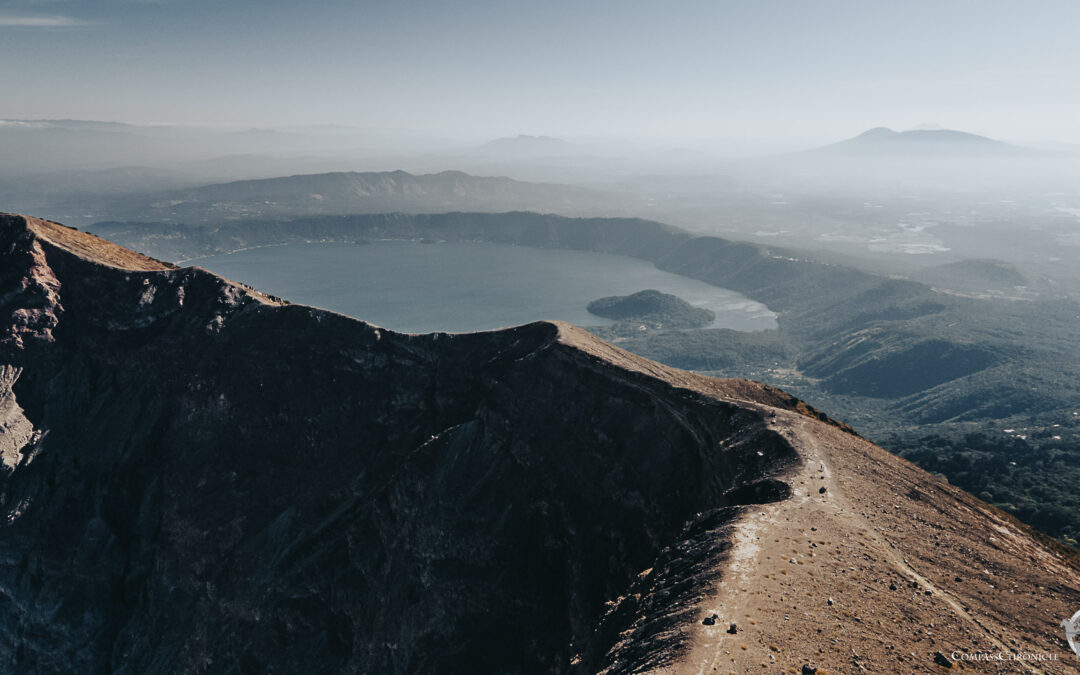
(42, 146)
(526, 147)
(343, 193)
(885, 142)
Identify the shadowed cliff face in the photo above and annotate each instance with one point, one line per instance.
(198, 477)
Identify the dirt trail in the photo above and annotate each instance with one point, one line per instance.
(879, 573)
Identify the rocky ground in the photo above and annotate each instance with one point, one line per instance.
(875, 566)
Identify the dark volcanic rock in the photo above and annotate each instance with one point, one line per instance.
(199, 478)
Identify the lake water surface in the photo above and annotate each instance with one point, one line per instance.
(457, 287)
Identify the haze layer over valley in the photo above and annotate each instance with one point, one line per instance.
(982, 230)
(982, 233)
(905, 202)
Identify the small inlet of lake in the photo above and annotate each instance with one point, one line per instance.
(459, 287)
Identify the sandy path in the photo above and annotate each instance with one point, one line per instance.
(880, 573)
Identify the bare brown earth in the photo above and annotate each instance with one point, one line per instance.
(968, 578)
(199, 478)
(90, 247)
(913, 566)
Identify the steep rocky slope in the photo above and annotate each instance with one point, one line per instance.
(201, 478)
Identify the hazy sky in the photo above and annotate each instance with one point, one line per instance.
(672, 69)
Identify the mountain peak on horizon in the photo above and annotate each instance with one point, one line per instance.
(946, 135)
(886, 142)
(877, 133)
(524, 146)
(530, 138)
(919, 133)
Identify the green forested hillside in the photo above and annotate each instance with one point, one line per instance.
(653, 309)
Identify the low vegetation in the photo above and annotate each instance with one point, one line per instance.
(1033, 477)
(652, 309)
